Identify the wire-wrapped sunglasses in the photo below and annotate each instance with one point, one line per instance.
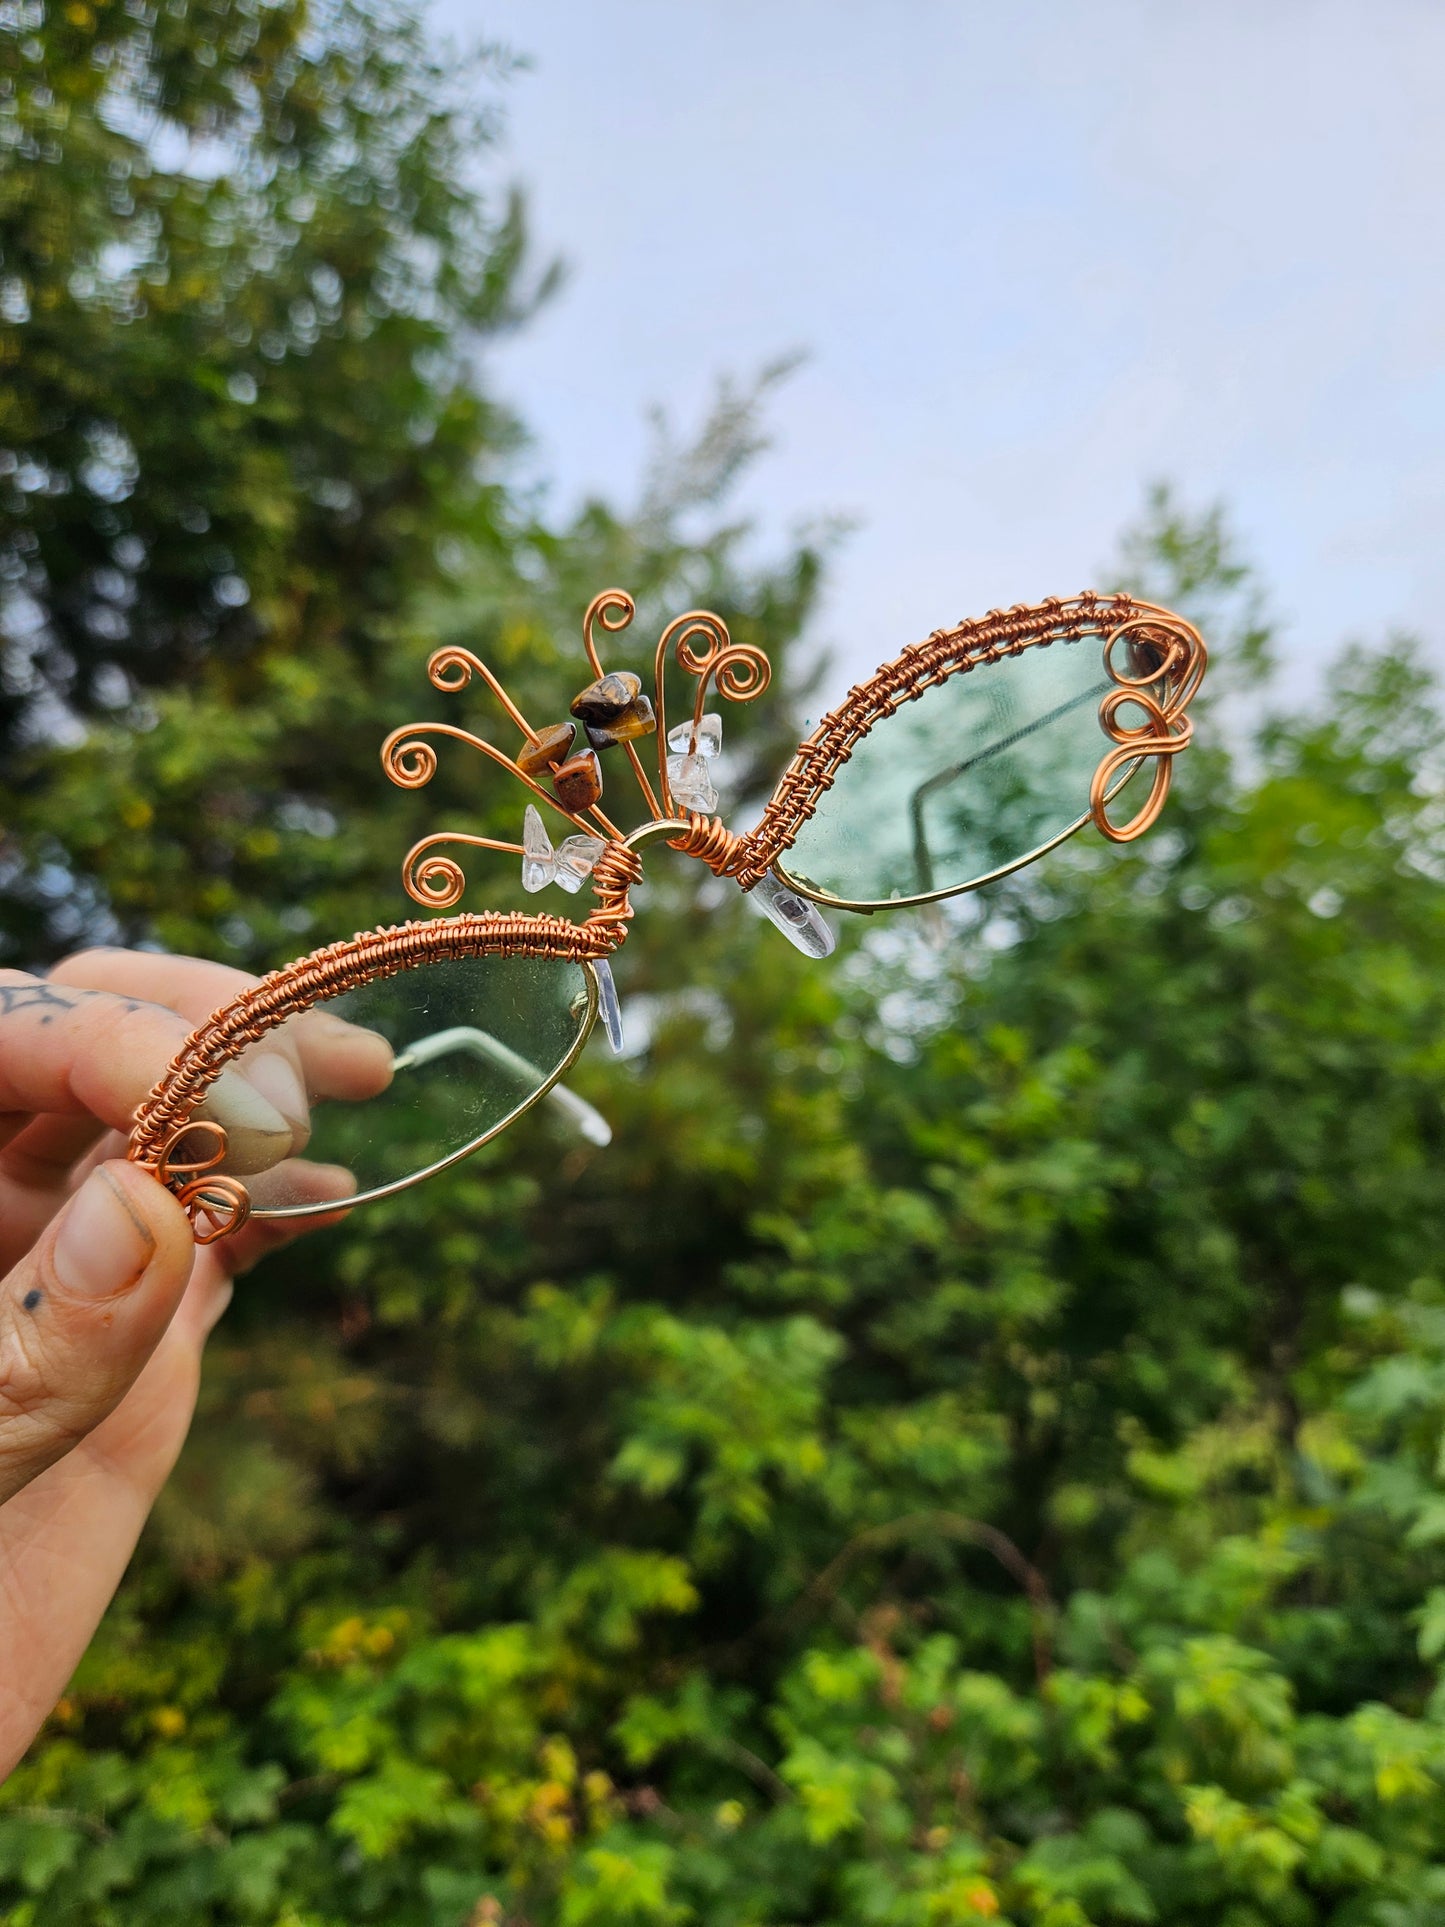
(967, 756)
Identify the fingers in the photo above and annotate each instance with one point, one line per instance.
(75, 1055)
(341, 1059)
(319, 1053)
(195, 990)
(81, 1050)
(82, 1312)
(78, 1055)
(297, 1181)
(191, 986)
(66, 1539)
(73, 1062)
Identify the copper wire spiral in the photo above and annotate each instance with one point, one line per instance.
(680, 632)
(1162, 695)
(614, 609)
(739, 672)
(410, 764)
(437, 881)
(431, 878)
(216, 1204)
(452, 668)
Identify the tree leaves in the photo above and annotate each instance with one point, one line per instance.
(971, 1450)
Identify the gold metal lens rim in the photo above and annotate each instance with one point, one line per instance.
(816, 894)
(329, 1209)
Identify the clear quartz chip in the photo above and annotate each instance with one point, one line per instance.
(576, 857)
(709, 737)
(691, 783)
(608, 1007)
(568, 866)
(539, 859)
(797, 918)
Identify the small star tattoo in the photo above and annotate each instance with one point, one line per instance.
(35, 996)
(48, 998)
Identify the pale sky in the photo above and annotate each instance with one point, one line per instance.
(1038, 255)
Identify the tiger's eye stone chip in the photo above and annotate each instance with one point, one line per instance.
(634, 721)
(547, 748)
(578, 781)
(601, 702)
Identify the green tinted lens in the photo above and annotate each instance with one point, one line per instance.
(977, 775)
(383, 1083)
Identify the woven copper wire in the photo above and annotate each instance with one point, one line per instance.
(947, 652)
(710, 840)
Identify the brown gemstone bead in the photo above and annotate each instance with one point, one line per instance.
(547, 748)
(602, 701)
(636, 720)
(578, 781)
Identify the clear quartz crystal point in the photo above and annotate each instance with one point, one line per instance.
(797, 918)
(576, 856)
(709, 737)
(539, 860)
(691, 783)
(608, 1008)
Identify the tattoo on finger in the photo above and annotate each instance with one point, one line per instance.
(34, 996)
(49, 998)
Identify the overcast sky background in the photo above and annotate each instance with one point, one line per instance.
(1038, 255)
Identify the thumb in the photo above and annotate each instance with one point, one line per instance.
(83, 1311)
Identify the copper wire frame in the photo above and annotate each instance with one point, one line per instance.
(184, 1152)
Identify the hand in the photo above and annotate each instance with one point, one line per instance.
(106, 1301)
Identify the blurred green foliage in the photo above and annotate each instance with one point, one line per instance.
(970, 1451)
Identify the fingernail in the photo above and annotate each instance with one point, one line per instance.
(334, 1026)
(103, 1245)
(351, 1054)
(257, 1135)
(275, 1078)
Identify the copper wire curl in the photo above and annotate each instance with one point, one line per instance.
(614, 609)
(740, 672)
(215, 1203)
(1166, 729)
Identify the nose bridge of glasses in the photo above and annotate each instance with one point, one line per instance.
(723, 850)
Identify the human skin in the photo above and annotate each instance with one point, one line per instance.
(106, 1302)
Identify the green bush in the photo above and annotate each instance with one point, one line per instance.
(971, 1449)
